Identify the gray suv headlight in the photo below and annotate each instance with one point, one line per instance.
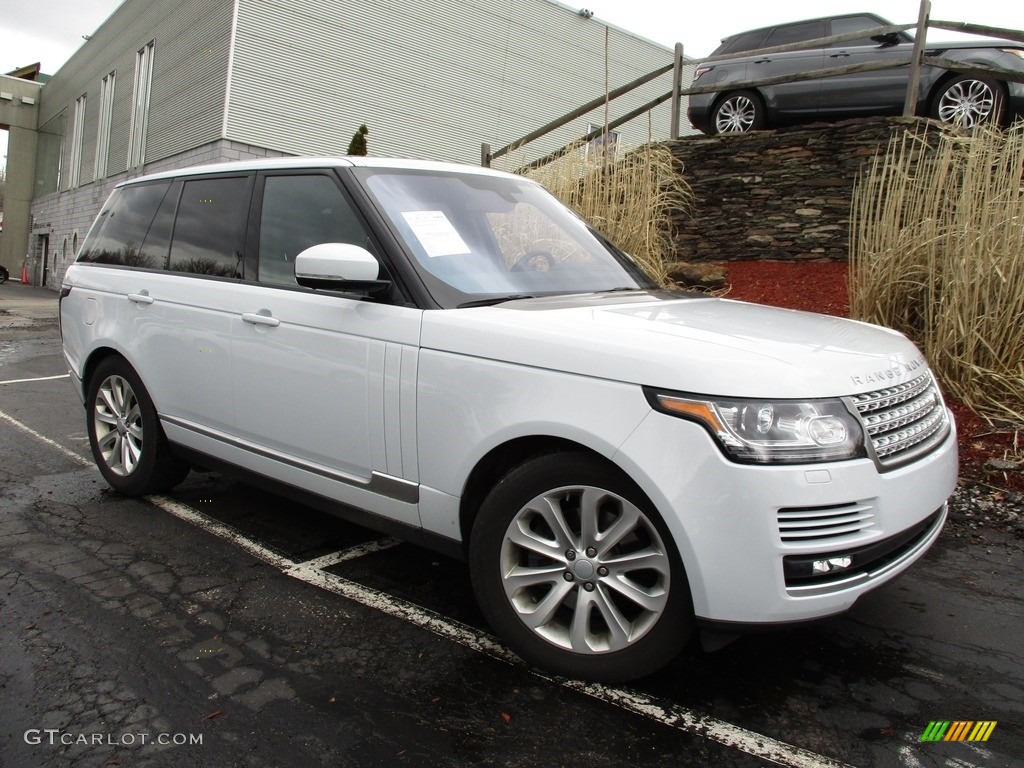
(771, 431)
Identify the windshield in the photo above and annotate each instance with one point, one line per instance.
(476, 238)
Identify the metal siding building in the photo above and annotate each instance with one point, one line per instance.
(233, 79)
(431, 80)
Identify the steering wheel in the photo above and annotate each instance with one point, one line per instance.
(533, 261)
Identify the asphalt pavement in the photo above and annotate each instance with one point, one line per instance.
(223, 626)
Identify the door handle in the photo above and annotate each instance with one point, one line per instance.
(259, 318)
(839, 55)
(142, 297)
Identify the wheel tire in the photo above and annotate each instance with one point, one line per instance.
(533, 531)
(967, 100)
(739, 112)
(128, 443)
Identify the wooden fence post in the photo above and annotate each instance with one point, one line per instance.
(677, 83)
(914, 82)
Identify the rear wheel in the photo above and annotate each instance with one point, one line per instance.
(574, 569)
(127, 441)
(967, 100)
(739, 112)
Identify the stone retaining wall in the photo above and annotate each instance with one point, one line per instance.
(778, 194)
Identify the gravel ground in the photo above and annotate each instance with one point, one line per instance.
(975, 507)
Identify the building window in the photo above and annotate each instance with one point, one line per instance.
(77, 134)
(140, 105)
(50, 156)
(601, 147)
(103, 135)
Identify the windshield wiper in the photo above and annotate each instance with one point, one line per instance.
(495, 300)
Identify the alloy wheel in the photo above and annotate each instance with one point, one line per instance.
(967, 103)
(585, 569)
(117, 421)
(737, 114)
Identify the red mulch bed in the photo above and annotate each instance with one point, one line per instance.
(821, 287)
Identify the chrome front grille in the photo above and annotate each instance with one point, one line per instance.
(903, 421)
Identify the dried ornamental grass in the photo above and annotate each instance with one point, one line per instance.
(628, 200)
(937, 252)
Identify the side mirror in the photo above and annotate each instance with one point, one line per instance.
(339, 267)
(888, 39)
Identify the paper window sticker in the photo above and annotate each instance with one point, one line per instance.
(435, 233)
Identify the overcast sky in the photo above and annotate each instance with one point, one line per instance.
(49, 31)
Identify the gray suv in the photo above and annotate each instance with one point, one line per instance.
(943, 94)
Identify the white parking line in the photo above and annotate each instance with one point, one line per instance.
(39, 378)
(669, 714)
(322, 563)
(311, 572)
(906, 754)
(42, 438)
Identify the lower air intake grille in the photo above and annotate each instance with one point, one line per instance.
(806, 525)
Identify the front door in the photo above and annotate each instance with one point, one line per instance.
(318, 376)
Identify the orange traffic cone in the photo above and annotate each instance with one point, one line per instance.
(24, 274)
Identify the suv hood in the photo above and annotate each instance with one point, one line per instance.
(698, 345)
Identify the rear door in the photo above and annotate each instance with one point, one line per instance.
(792, 99)
(159, 273)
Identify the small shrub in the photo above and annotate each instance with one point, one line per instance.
(358, 144)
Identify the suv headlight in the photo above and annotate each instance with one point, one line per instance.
(771, 431)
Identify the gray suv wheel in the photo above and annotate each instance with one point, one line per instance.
(967, 100)
(739, 112)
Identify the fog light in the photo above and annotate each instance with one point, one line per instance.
(832, 564)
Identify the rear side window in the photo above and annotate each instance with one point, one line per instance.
(746, 41)
(120, 230)
(210, 228)
(795, 33)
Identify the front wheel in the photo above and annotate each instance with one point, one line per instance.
(739, 112)
(574, 569)
(127, 441)
(967, 100)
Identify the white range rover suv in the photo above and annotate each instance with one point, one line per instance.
(448, 354)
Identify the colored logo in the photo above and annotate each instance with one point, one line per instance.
(958, 730)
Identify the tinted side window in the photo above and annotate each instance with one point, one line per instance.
(158, 239)
(121, 228)
(795, 33)
(298, 212)
(210, 227)
(747, 41)
(854, 24)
